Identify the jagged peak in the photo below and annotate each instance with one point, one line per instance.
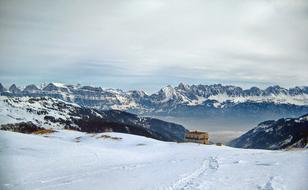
(141, 93)
(275, 87)
(31, 87)
(91, 88)
(14, 89)
(254, 88)
(168, 90)
(13, 86)
(56, 87)
(2, 88)
(60, 85)
(183, 86)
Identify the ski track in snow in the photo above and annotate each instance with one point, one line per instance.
(193, 181)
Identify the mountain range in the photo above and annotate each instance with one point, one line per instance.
(225, 102)
(27, 114)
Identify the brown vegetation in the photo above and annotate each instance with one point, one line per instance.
(109, 137)
(43, 131)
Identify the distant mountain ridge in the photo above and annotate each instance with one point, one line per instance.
(183, 100)
(26, 113)
(280, 134)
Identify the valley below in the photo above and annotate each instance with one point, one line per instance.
(220, 130)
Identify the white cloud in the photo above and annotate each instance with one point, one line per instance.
(254, 42)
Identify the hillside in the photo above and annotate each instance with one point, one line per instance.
(66, 160)
(46, 112)
(280, 134)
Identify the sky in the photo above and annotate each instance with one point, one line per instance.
(137, 44)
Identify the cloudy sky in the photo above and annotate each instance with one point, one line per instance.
(137, 44)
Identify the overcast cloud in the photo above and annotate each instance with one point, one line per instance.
(137, 44)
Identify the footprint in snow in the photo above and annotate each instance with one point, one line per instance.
(238, 162)
(266, 164)
(274, 183)
(213, 163)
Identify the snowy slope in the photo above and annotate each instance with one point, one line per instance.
(14, 110)
(75, 160)
(46, 112)
(280, 134)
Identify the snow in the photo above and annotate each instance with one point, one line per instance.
(16, 110)
(288, 140)
(198, 101)
(60, 85)
(125, 103)
(304, 118)
(169, 92)
(278, 99)
(75, 160)
(182, 95)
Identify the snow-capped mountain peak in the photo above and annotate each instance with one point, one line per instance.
(14, 89)
(31, 88)
(184, 87)
(169, 98)
(168, 93)
(2, 88)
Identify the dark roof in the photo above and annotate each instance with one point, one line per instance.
(196, 132)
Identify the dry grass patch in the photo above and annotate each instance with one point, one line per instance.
(43, 131)
(109, 137)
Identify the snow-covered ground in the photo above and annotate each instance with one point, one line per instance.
(74, 160)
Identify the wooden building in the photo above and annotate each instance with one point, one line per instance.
(197, 137)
